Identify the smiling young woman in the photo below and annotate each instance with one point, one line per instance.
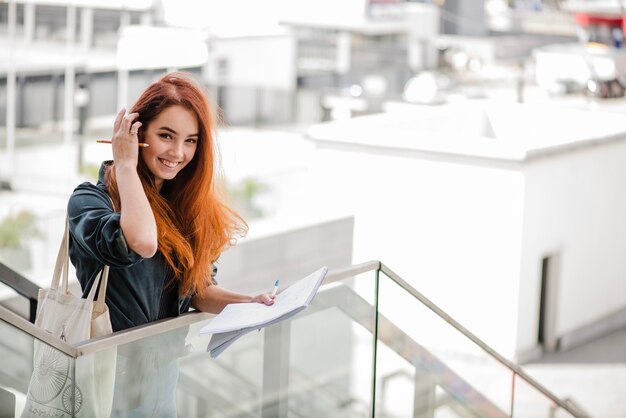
(155, 216)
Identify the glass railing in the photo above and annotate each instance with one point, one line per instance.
(317, 364)
(445, 367)
(368, 345)
(16, 367)
(19, 340)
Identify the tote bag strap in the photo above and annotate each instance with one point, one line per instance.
(61, 266)
(103, 280)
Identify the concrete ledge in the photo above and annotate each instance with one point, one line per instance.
(583, 335)
(528, 356)
(603, 326)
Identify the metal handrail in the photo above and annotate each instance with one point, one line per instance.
(34, 331)
(17, 282)
(576, 406)
(158, 327)
(22, 286)
(147, 330)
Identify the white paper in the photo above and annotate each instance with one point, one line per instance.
(238, 319)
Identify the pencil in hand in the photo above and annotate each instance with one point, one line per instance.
(108, 141)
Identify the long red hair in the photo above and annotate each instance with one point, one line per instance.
(193, 222)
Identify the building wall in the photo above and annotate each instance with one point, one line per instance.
(453, 231)
(573, 207)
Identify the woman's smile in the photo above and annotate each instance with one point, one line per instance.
(169, 164)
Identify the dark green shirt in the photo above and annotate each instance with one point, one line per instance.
(140, 290)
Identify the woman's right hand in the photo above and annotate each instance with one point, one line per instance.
(125, 139)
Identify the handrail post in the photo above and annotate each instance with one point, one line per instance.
(513, 381)
(7, 403)
(275, 392)
(375, 335)
(423, 395)
(32, 312)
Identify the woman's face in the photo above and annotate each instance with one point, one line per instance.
(173, 139)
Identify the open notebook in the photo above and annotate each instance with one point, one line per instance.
(237, 319)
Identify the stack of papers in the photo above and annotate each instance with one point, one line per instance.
(238, 319)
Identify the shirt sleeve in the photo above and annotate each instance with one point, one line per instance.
(95, 227)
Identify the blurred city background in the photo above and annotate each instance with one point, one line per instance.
(476, 147)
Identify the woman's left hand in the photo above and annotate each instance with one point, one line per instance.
(264, 298)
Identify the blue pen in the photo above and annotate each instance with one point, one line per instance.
(275, 289)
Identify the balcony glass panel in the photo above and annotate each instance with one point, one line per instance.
(443, 370)
(16, 364)
(319, 363)
(339, 357)
(52, 381)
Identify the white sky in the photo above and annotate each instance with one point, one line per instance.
(246, 13)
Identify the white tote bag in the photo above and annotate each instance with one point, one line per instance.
(72, 319)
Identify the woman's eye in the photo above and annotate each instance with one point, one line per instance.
(166, 136)
(192, 140)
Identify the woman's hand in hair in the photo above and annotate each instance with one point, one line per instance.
(125, 139)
